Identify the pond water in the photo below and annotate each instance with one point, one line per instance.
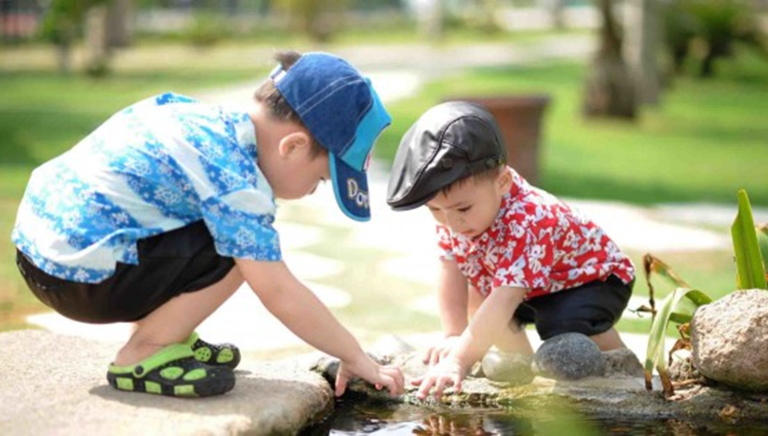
(364, 418)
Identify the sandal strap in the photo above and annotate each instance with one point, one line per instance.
(168, 354)
(190, 341)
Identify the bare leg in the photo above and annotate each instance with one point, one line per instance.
(512, 339)
(608, 340)
(175, 320)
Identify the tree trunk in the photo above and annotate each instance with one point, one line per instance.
(64, 57)
(642, 50)
(431, 20)
(97, 57)
(609, 91)
(556, 10)
(120, 23)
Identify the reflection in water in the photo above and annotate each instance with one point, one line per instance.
(476, 425)
(357, 417)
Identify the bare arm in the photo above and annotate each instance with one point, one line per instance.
(452, 306)
(488, 324)
(452, 298)
(306, 316)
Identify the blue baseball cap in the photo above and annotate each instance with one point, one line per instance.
(344, 114)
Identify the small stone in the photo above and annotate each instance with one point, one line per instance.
(569, 356)
(682, 367)
(622, 362)
(512, 368)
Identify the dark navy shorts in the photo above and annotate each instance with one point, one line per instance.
(170, 264)
(590, 309)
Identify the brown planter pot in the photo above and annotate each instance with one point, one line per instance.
(519, 118)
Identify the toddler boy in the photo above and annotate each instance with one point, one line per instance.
(162, 212)
(513, 254)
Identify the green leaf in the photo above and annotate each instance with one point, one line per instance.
(749, 261)
(762, 241)
(672, 309)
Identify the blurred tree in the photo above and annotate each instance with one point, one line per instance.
(610, 91)
(556, 10)
(643, 49)
(432, 19)
(315, 18)
(120, 23)
(63, 24)
(709, 29)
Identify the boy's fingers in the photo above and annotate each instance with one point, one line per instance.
(427, 356)
(440, 387)
(426, 386)
(417, 381)
(341, 384)
(435, 358)
(457, 383)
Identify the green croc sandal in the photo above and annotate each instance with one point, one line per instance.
(214, 354)
(172, 371)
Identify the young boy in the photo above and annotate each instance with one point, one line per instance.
(514, 254)
(161, 213)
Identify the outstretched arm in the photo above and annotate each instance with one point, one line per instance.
(486, 327)
(452, 306)
(306, 316)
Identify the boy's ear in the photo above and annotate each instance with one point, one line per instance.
(504, 180)
(292, 142)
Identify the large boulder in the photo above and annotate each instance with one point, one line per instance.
(730, 340)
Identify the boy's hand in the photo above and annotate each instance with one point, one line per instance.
(435, 354)
(449, 372)
(366, 368)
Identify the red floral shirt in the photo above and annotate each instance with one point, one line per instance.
(536, 242)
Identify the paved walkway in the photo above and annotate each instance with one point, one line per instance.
(408, 236)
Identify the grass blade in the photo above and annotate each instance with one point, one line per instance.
(749, 261)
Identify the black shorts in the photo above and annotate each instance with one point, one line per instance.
(172, 263)
(590, 309)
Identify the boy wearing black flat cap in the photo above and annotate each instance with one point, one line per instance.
(513, 254)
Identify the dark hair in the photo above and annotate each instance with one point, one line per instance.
(268, 95)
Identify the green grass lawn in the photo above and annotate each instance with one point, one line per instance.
(704, 142)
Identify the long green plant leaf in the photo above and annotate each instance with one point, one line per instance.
(749, 260)
(762, 241)
(670, 309)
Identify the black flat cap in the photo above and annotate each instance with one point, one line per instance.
(447, 143)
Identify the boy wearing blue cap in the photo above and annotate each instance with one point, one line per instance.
(162, 212)
(512, 253)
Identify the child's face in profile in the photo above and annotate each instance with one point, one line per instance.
(301, 175)
(470, 206)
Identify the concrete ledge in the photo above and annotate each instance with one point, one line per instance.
(55, 384)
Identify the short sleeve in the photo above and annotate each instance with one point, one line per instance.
(241, 224)
(444, 243)
(525, 257)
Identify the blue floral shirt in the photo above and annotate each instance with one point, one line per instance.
(156, 166)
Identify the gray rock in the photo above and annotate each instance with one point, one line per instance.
(730, 340)
(622, 362)
(512, 368)
(569, 356)
(391, 345)
(56, 384)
